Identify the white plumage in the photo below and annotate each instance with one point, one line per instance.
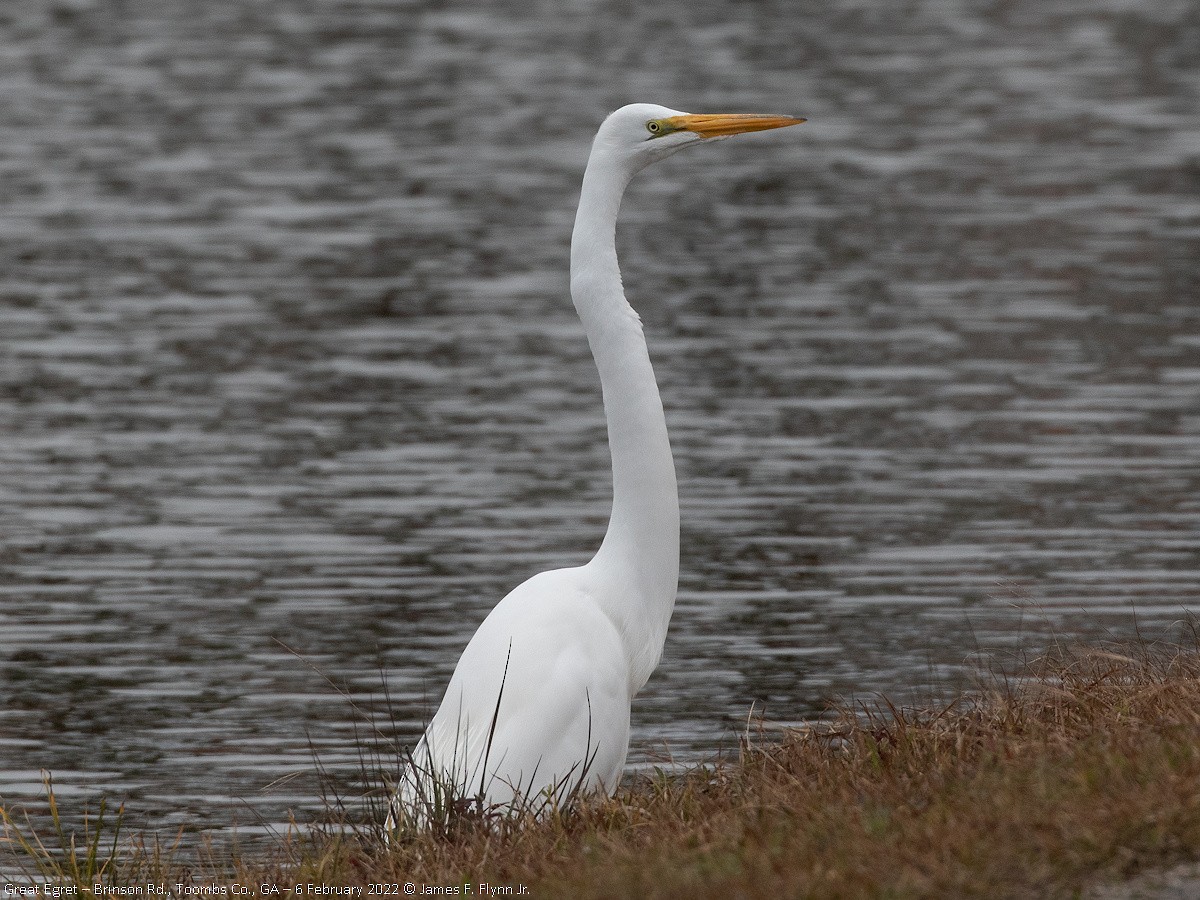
(539, 702)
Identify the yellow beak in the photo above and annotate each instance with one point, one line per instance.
(725, 124)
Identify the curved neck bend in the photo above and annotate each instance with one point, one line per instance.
(640, 552)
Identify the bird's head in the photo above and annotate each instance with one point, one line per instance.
(641, 133)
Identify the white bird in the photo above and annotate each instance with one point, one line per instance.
(538, 705)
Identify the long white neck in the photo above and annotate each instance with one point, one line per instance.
(639, 558)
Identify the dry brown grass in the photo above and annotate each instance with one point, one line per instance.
(1087, 768)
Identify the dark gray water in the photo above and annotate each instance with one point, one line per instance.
(288, 362)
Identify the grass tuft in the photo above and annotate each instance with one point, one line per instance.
(64, 856)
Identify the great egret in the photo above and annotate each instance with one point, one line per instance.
(539, 702)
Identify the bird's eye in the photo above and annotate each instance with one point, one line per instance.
(654, 128)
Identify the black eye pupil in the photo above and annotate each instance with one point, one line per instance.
(654, 126)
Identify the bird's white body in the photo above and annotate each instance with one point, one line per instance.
(539, 702)
(548, 665)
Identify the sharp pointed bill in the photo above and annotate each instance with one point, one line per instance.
(725, 124)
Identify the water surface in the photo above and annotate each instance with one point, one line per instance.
(291, 390)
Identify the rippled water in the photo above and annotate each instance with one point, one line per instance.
(292, 390)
